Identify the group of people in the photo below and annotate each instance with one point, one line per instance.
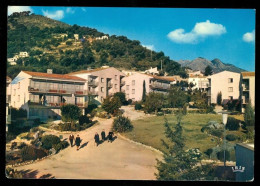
(96, 138)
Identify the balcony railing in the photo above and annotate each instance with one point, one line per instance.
(245, 87)
(57, 91)
(55, 104)
(92, 83)
(159, 86)
(245, 100)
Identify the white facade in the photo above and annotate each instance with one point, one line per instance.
(248, 88)
(200, 83)
(153, 71)
(23, 54)
(102, 37)
(226, 82)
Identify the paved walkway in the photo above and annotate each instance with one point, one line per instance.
(121, 159)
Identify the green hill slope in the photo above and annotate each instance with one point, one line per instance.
(51, 44)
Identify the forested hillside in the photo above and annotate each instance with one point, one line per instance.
(51, 44)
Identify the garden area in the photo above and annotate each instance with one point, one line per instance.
(201, 131)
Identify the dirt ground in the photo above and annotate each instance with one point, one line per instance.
(119, 160)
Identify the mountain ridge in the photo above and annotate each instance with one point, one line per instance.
(216, 64)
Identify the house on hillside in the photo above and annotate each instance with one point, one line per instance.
(248, 89)
(199, 82)
(226, 82)
(153, 71)
(43, 94)
(101, 38)
(12, 61)
(133, 87)
(23, 54)
(101, 82)
(195, 73)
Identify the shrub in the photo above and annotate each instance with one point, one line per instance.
(220, 155)
(122, 124)
(232, 124)
(31, 153)
(138, 106)
(209, 152)
(121, 96)
(49, 140)
(129, 101)
(159, 114)
(111, 104)
(61, 145)
(216, 132)
(219, 98)
(90, 108)
(84, 119)
(231, 137)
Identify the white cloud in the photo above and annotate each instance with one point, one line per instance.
(249, 36)
(12, 9)
(70, 11)
(201, 30)
(150, 47)
(58, 14)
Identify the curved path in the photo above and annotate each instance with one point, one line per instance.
(120, 160)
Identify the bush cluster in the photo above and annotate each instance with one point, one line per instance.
(49, 140)
(32, 153)
(231, 137)
(122, 124)
(232, 124)
(61, 145)
(138, 106)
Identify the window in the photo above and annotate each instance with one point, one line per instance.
(133, 82)
(127, 87)
(230, 89)
(102, 80)
(133, 91)
(230, 97)
(115, 86)
(115, 77)
(230, 80)
(102, 89)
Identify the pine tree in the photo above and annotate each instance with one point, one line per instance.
(219, 98)
(144, 92)
(180, 164)
(249, 116)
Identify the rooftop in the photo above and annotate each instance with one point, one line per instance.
(88, 71)
(248, 73)
(55, 76)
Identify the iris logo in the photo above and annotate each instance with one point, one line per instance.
(238, 169)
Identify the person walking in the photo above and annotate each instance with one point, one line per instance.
(71, 138)
(103, 135)
(96, 137)
(77, 141)
(110, 136)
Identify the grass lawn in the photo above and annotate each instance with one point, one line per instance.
(150, 131)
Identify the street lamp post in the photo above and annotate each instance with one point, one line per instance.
(224, 120)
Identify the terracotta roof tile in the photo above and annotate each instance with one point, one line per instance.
(248, 73)
(87, 71)
(55, 76)
(165, 78)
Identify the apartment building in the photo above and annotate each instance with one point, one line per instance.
(248, 89)
(195, 73)
(101, 82)
(199, 82)
(43, 94)
(226, 82)
(8, 100)
(133, 87)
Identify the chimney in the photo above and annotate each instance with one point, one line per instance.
(49, 71)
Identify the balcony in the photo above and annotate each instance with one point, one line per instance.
(245, 87)
(92, 83)
(109, 85)
(209, 93)
(57, 91)
(245, 100)
(159, 86)
(54, 104)
(122, 83)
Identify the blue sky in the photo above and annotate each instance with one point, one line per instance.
(181, 33)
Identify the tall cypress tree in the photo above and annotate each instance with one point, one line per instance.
(144, 92)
